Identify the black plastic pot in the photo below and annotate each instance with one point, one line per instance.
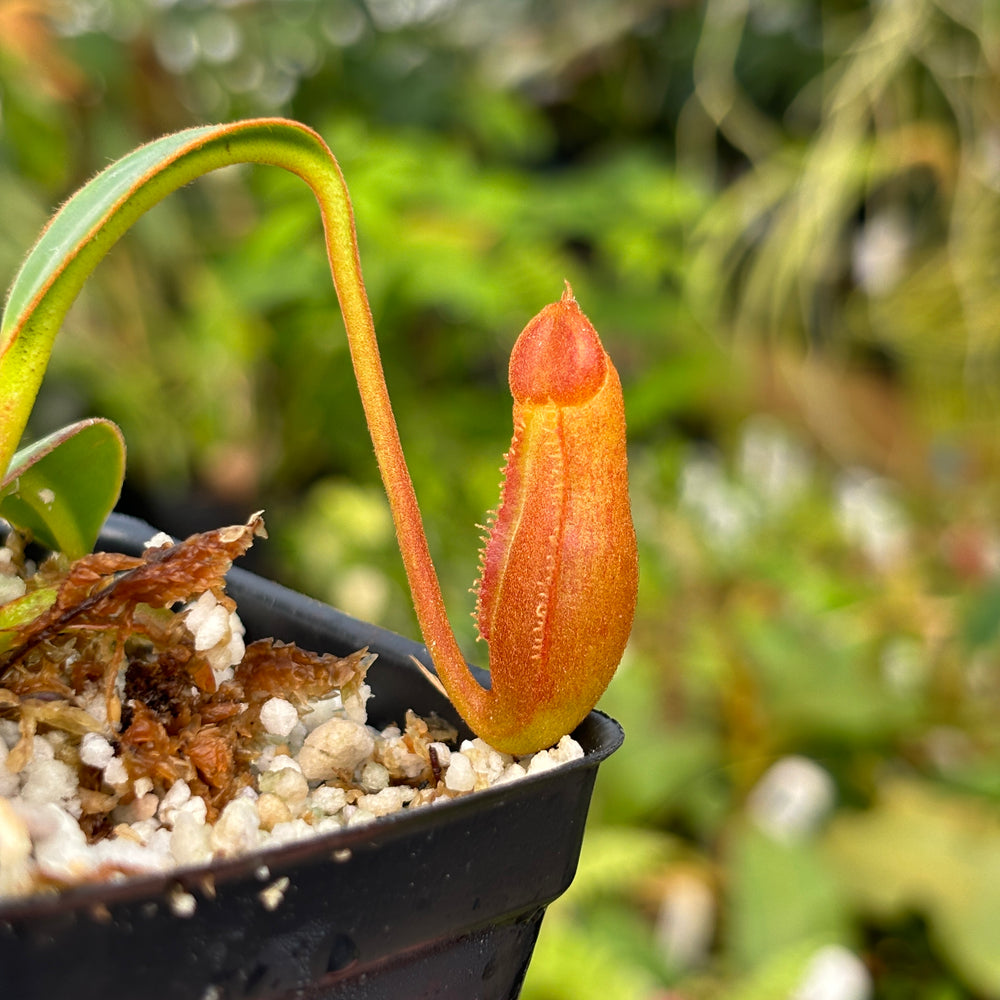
(444, 902)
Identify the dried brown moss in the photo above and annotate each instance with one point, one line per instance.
(112, 654)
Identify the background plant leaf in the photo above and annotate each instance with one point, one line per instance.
(931, 852)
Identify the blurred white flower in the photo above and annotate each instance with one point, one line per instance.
(871, 517)
(791, 799)
(772, 463)
(834, 973)
(879, 253)
(685, 923)
(725, 511)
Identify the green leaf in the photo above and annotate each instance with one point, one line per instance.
(22, 610)
(922, 849)
(83, 231)
(781, 896)
(617, 858)
(93, 220)
(62, 488)
(572, 964)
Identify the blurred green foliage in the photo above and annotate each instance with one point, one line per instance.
(783, 219)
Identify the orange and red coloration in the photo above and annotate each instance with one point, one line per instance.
(559, 568)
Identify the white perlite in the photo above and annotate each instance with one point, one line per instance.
(336, 747)
(95, 751)
(316, 768)
(279, 717)
(293, 799)
(237, 830)
(218, 633)
(460, 776)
